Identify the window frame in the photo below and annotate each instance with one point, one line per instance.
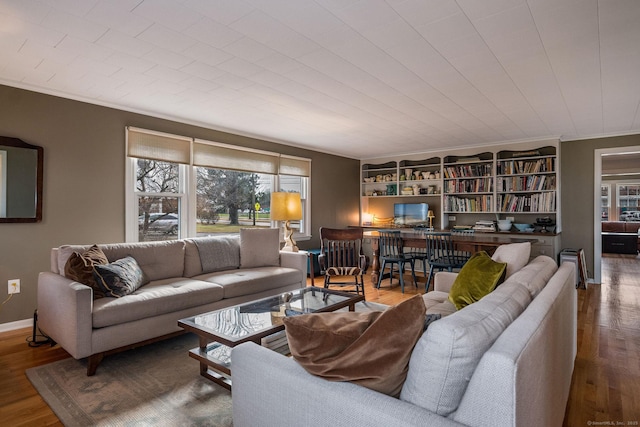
(188, 195)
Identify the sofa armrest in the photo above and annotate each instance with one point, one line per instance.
(65, 312)
(443, 280)
(297, 260)
(273, 390)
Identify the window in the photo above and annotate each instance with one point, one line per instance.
(628, 202)
(228, 200)
(605, 190)
(179, 187)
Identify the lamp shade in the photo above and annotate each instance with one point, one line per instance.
(285, 206)
(430, 214)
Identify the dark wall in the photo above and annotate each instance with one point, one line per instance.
(84, 164)
(577, 177)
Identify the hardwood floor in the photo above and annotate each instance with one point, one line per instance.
(606, 381)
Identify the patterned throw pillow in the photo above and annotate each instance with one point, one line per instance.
(79, 267)
(119, 278)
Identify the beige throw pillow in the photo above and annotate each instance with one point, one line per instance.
(259, 247)
(516, 255)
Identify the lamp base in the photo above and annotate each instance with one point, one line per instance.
(289, 248)
(289, 243)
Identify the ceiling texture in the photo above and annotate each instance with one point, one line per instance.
(362, 79)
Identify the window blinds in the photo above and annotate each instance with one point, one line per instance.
(297, 166)
(147, 144)
(220, 156)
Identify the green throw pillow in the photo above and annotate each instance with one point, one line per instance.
(479, 277)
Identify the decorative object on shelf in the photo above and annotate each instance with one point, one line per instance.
(437, 175)
(504, 224)
(286, 207)
(407, 191)
(432, 189)
(392, 189)
(523, 227)
(430, 215)
(416, 190)
(544, 223)
(530, 153)
(402, 177)
(417, 175)
(408, 173)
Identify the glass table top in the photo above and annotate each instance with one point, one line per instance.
(262, 317)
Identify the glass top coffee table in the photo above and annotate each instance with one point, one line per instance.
(220, 330)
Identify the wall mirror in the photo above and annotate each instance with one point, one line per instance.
(21, 175)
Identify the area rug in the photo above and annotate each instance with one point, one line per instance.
(155, 385)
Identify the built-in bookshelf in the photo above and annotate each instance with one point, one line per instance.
(526, 181)
(468, 183)
(519, 179)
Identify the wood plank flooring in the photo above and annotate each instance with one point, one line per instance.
(606, 379)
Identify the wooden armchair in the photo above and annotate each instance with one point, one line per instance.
(341, 259)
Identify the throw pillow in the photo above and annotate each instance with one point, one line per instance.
(371, 349)
(79, 267)
(479, 276)
(119, 278)
(516, 255)
(259, 247)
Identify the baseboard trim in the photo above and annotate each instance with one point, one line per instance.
(18, 324)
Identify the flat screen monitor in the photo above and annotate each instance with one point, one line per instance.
(411, 214)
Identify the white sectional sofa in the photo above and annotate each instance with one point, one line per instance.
(506, 360)
(186, 277)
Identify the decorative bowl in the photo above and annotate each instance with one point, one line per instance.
(504, 224)
(522, 227)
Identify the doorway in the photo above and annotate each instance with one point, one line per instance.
(608, 154)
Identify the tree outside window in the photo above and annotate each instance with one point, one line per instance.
(227, 200)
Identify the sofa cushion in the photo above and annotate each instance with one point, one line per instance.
(631, 227)
(516, 255)
(259, 247)
(437, 302)
(79, 267)
(154, 299)
(158, 260)
(365, 348)
(209, 254)
(445, 357)
(119, 278)
(248, 281)
(478, 277)
(613, 226)
(535, 275)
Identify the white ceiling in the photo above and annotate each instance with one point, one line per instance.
(358, 78)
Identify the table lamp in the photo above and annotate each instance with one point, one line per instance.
(286, 207)
(430, 215)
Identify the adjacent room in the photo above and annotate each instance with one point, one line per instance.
(320, 212)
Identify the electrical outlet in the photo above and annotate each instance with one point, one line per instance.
(14, 286)
(452, 218)
(510, 218)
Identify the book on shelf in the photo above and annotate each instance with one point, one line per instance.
(485, 225)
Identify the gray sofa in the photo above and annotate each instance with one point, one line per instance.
(187, 277)
(506, 360)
